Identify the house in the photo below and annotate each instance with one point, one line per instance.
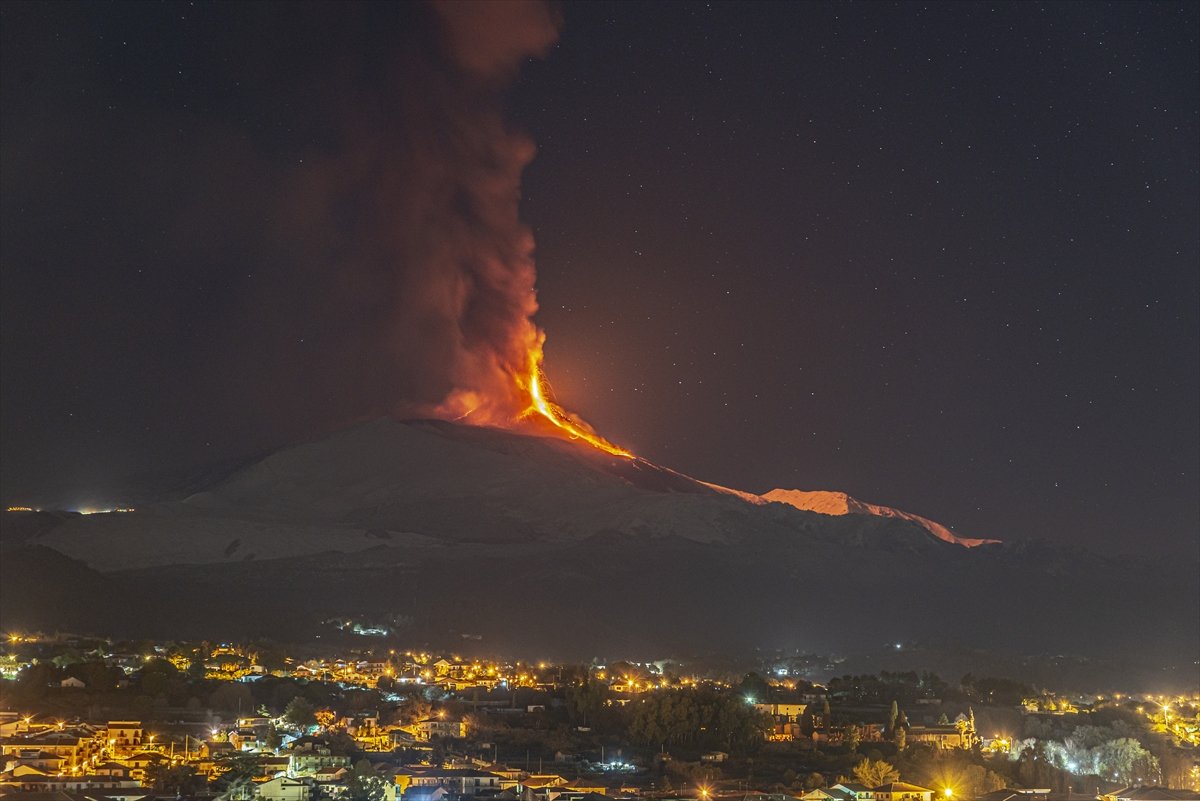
(211, 749)
(537, 781)
(577, 795)
(1037, 794)
(457, 781)
(69, 744)
(365, 724)
(125, 735)
(860, 791)
(714, 756)
(426, 794)
(1149, 793)
(139, 762)
(308, 760)
(901, 791)
(35, 758)
(439, 728)
(284, 788)
(940, 737)
(330, 775)
(112, 769)
(72, 682)
(40, 783)
(828, 794)
(399, 738)
(783, 713)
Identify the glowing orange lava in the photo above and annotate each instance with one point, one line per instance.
(539, 404)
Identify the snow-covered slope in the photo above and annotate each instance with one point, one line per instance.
(552, 547)
(423, 484)
(839, 503)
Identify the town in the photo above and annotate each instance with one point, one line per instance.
(94, 718)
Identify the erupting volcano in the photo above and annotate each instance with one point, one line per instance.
(534, 405)
(475, 266)
(569, 424)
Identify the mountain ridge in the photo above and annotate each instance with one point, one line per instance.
(546, 544)
(840, 503)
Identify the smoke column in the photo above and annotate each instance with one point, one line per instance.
(470, 258)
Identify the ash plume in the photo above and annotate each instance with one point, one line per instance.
(403, 232)
(475, 274)
(331, 235)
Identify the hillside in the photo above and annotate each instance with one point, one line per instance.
(452, 531)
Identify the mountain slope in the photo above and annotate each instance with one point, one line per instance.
(839, 503)
(430, 484)
(545, 544)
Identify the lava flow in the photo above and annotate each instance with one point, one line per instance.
(539, 404)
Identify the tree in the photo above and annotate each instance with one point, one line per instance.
(755, 689)
(300, 712)
(364, 784)
(272, 739)
(232, 697)
(180, 779)
(873, 773)
(892, 715)
(586, 701)
(975, 780)
(237, 772)
(901, 738)
(854, 737)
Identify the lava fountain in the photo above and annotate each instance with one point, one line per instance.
(540, 403)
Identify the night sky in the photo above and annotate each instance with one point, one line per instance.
(942, 257)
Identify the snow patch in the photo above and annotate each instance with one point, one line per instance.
(839, 503)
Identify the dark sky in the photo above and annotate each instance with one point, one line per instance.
(942, 257)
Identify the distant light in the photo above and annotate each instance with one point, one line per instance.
(750, 699)
(898, 646)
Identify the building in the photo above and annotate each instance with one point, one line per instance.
(284, 788)
(309, 760)
(456, 781)
(125, 735)
(1148, 793)
(439, 728)
(68, 744)
(860, 792)
(901, 791)
(828, 794)
(783, 713)
(426, 794)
